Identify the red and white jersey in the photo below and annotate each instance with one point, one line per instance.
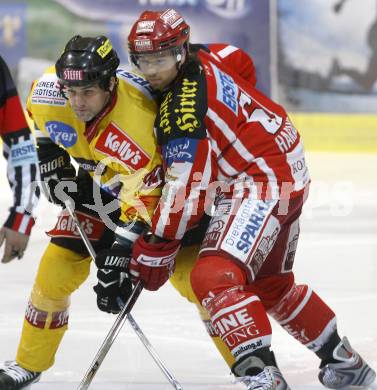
(219, 133)
(234, 58)
(20, 153)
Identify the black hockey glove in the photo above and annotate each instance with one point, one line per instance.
(114, 285)
(57, 173)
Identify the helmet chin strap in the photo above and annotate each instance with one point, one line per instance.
(181, 58)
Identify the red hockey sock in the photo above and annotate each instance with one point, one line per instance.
(304, 315)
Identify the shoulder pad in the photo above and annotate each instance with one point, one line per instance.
(137, 82)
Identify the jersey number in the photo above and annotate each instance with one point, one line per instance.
(269, 121)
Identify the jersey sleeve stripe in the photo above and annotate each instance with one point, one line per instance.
(18, 189)
(243, 152)
(227, 51)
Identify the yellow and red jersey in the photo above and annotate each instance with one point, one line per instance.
(121, 156)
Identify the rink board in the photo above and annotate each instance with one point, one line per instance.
(337, 132)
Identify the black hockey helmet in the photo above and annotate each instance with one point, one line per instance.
(87, 60)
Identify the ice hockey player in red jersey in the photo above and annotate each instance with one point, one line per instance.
(20, 153)
(232, 153)
(240, 62)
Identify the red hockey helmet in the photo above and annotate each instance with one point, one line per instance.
(156, 32)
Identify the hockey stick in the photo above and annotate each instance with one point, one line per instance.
(119, 322)
(110, 338)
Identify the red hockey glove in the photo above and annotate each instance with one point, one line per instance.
(153, 263)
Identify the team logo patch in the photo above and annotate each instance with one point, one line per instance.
(61, 133)
(114, 143)
(172, 18)
(73, 74)
(155, 178)
(66, 226)
(35, 317)
(105, 49)
(180, 149)
(143, 44)
(59, 319)
(145, 26)
(213, 234)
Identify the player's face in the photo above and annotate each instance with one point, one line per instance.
(159, 69)
(87, 101)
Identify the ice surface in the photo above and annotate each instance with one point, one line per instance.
(337, 257)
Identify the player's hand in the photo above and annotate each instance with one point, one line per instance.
(153, 262)
(112, 289)
(113, 283)
(57, 173)
(14, 244)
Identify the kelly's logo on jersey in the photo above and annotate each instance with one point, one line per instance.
(66, 227)
(114, 143)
